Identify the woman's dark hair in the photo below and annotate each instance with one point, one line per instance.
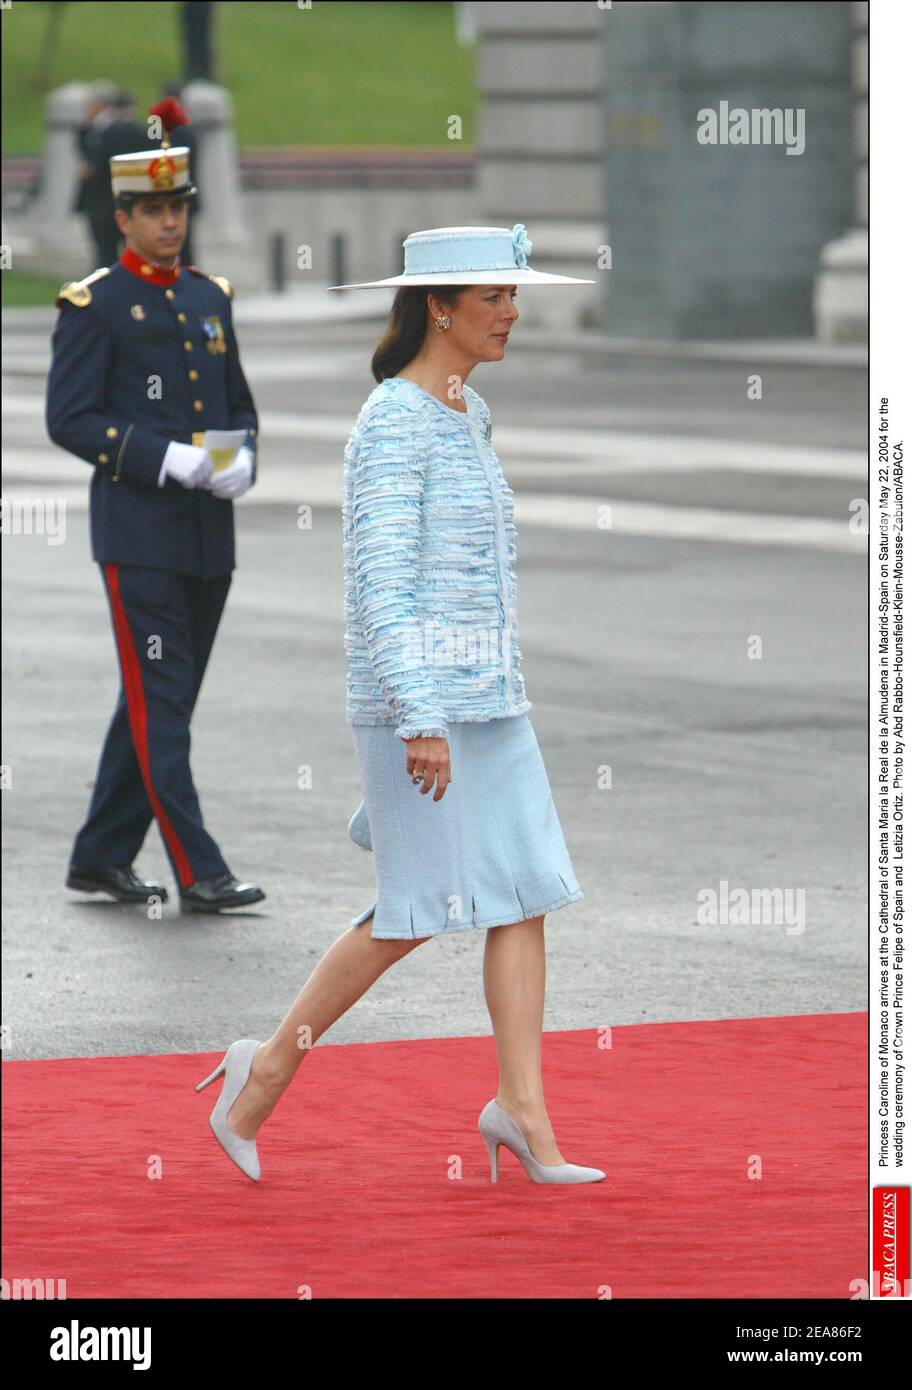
(407, 326)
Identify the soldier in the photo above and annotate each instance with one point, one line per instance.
(144, 361)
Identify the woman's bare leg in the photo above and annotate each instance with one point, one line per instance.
(514, 985)
(347, 970)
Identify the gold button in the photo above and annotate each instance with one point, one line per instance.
(182, 318)
(197, 405)
(169, 294)
(111, 432)
(193, 374)
(102, 458)
(188, 345)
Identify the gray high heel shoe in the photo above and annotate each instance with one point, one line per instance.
(236, 1065)
(497, 1128)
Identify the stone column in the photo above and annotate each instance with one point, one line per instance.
(222, 244)
(711, 236)
(57, 238)
(841, 287)
(539, 145)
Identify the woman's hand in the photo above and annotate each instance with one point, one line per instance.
(427, 760)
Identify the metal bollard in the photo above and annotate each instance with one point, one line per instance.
(278, 262)
(337, 259)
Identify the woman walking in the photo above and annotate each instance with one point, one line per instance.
(457, 807)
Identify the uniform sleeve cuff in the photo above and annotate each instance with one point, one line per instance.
(142, 457)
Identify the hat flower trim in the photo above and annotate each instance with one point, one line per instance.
(521, 244)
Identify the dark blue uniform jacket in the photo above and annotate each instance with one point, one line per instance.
(135, 366)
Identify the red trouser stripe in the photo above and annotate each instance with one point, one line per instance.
(136, 708)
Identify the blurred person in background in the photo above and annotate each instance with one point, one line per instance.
(110, 128)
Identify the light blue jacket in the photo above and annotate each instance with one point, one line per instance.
(430, 552)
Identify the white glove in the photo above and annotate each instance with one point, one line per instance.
(236, 478)
(190, 466)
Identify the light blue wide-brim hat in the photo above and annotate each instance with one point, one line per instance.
(468, 256)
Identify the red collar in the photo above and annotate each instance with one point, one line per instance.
(145, 270)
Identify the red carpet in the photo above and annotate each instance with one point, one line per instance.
(357, 1198)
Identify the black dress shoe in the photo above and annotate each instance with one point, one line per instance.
(121, 882)
(222, 890)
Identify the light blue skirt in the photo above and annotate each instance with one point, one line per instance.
(490, 851)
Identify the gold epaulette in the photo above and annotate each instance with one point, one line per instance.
(77, 291)
(224, 285)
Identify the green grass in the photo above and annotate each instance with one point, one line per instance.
(21, 287)
(370, 73)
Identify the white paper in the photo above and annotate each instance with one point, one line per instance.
(222, 445)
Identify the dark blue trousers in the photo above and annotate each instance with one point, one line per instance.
(164, 627)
